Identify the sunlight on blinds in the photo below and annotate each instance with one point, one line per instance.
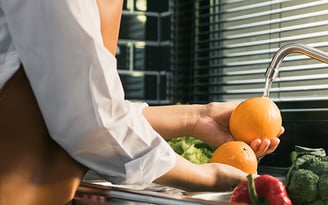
(243, 37)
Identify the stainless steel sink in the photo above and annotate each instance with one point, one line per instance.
(215, 196)
(154, 194)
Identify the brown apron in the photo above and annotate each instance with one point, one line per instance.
(34, 170)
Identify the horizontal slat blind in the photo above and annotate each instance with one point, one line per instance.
(182, 28)
(235, 40)
(252, 31)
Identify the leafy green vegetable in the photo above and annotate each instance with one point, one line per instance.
(192, 149)
(307, 178)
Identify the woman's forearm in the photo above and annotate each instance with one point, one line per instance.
(191, 180)
(202, 177)
(208, 122)
(173, 120)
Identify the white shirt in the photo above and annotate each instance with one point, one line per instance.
(78, 89)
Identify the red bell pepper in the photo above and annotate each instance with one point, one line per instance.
(264, 189)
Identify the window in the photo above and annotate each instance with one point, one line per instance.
(234, 42)
(144, 51)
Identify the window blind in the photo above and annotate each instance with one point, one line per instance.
(235, 40)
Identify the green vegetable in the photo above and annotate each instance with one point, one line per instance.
(192, 149)
(307, 178)
(311, 151)
(318, 165)
(303, 186)
(323, 186)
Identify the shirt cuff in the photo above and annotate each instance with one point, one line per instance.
(145, 169)
(155, 163)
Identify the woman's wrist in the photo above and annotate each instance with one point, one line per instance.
(199, 177)
(212, 125)
(193, 113)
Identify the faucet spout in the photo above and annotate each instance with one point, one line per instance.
(273, 69)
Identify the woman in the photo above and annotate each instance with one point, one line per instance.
(67, 48)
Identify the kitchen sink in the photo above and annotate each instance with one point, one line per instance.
(212, 196)
(153, 194)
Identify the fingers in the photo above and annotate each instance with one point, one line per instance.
(265, 146)
(281, 131)
(274, 143)
(255, 145)
(260, 147)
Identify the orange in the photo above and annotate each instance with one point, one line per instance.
(237, 154)
(257, 117)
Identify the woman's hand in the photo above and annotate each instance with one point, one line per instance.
(212, 127)
(212, 123)
(266, 146)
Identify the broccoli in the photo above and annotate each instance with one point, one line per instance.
(307, 177)
(316, 164)
(303, 186)
(323, 186)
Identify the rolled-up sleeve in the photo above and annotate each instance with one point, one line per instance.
(79, 91)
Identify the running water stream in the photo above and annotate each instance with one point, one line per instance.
(267, 87)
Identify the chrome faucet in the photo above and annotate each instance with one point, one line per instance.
(273, 69)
